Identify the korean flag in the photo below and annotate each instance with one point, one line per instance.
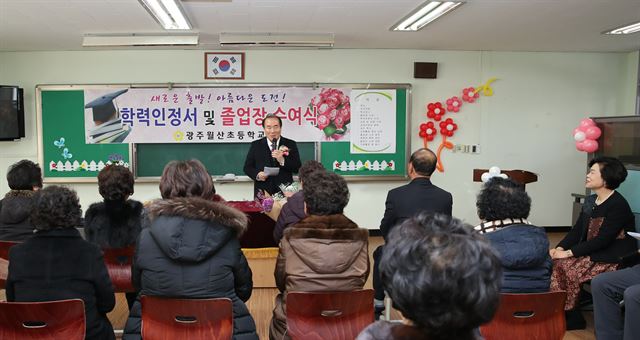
(225, 65)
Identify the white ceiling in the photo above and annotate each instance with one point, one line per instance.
(491, 25)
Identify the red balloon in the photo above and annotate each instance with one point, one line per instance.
(589, 145)
(585, 123)
(592, 132)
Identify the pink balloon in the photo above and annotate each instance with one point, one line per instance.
(589, 145)
(576, 130)
(593, 132)
(585, 123)
(579, 146)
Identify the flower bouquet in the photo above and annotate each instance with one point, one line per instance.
(289, 189)
(333, 110)
(271, 204)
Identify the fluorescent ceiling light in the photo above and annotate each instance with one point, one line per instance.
(628, 29)
(425, 14)
(98, 40)
(277, 39)
(167, 13)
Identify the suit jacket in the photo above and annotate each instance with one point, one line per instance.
(259, 156)
(410, 199)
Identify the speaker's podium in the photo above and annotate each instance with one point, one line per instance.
(521, 176)
(257, 243)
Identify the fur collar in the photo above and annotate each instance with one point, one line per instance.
(200, 209)
(332, 227)
(20, 193)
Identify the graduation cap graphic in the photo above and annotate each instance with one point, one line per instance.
(103, 107)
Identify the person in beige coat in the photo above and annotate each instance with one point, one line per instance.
(325, 251)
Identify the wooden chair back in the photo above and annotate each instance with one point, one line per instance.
(528, 316)
(328, 315)
(193, 319)
(118, 262)
(50, 320)
(4, 261)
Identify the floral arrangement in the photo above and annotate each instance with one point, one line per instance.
(272, 204)
(284, 149)
(333, 110)
(266, 201)
(289, 189)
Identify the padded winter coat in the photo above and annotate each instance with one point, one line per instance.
(191, 250)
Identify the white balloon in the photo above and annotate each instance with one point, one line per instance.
(485, 177)
(504, 176)
(579, 136)
(494, 170)
(450, 127)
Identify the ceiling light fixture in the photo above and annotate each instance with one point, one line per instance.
(628, 29)
(103, 40)
(167, 13)
(425, 14)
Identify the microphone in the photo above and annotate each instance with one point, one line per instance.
(274, 144)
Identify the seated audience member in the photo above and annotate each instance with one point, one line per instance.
(57, 264)
(325, 251)
(115, 222)
(191, 248)
(24, 178)
(503, 206)
(293, 210)
(611, 320)
(598, 240)
(406, 201)
(442, 277)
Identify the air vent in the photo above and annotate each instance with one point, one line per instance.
(308, 40)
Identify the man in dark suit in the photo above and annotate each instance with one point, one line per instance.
(273, 151)
(408, 200)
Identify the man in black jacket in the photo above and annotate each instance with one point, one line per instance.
(272, 151)
(407, 201)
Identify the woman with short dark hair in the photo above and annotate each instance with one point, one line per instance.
(325, 251)
(503, 206)
(116, 221)
(293, 211)
(442, 277)
(56, 263)
(598, 240)
(191, 248)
